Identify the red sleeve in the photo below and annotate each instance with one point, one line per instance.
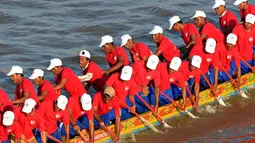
(216, 59)
(65, 117)
(133, 89)
(43, 106)
(156, 78)
(135, 66)
(163, 45)
(17, 131)
(41, 126)
(96, 100)
(70, 103)
(192, 29)
(90, 114)
(111, 79)
(121, 52)
(206, 30)
(181, 80)
(116, 108)
(27, 86)
(233, 21)
(144, 51)
(65, 74)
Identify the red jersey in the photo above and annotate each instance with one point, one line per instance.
(142, 76)
(73, 85)
(51, 117)
(187, 31)
(98, 80)
(168, 49)
(112, 58)
(228, 19)
(49, 88)
(226, 56)
(212, 32)
(25, 86)
(250, 9)
(209, 60)
(245, 42)
(5, 100)
(139, 51)
(187, 73)
(103, 108)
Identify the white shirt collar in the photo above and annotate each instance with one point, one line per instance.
(223, 13)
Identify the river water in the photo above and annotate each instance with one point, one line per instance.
(33, 32)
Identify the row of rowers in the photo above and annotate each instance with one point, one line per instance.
(122, 85)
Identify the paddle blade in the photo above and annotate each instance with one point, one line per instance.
(166, 125)
(243, 94)
(221, 102)
(190, 114)
(149, 125)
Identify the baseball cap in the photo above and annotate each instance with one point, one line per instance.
(231, 38)
(126, 73)
(152, 62)
(8, 118)
(156, 29)
(210, 45)
(237, 2)
(15, 69)
(109, 91)
(62, 102)
(199, 13)
(175, 63)
(36, 73)
(28, 105)
(218, 3)
(250, 18)
(173, 20)
(196, 61)
(124, 39)
(86, 102)
(84, 53)
(54, 62)
(106, 39)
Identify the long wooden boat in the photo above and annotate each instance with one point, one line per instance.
(168, 111)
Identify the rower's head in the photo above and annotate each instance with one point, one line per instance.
(175, 23)
(231, 41)
(8, 118)
(156, 33)
(55, 66)
(199, 18)
(249, 21)
(86, 102)
(109, 93)
(29, 106)
(174, 65)
(242, 4)
(16, 74)
(126, 73)
(127, 41)
(84, 59)
(210, 46)
(60, 103)
(152, 63)
(107, 43)
(219, 7)
(37, 76)
(195, 62)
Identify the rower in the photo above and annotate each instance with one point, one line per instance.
(144, 72)
(24, 88)
(5, 102)
(104, 104)
(190, 36)
(66, 78)
(115, 55)
(29, 119)
(165, 48)
(245, 8)
(245, 33)
(137, 50)
(9, 126)
(54, 111)
(46, 90)
(227, 20)
(92, 73)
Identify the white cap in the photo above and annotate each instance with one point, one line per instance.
(15, 69)
(8, 118)
(28, 105)
(54, 62)
(156, 29)
(237, 2)
(84, 53)
(231, 39)
(124, 38)
(196, 61)
(126, 73)
(199, 13)
(86, 102)
(152, 62)
(250, 18)
(62, 102)
(175, 63)
(36, 73)
(173, 20)
(106, 39)
(218, 3)
(210, 45)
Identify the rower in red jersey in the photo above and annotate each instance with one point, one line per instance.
(166, 48)
(227, 20)
(137, 50)
(115, 55)
(190, 36)
(66, 78)
(245, 8)
(5, 101)
(46, 90)
(92, 73)
(24, 88)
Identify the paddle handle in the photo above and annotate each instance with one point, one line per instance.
(247, 64)
(207, 81)
(82, 136)
(174, 102)
(110, 132)
(56, 140)
(228, 75)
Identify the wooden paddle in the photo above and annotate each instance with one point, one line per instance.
(109, 132)
(56, 140)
